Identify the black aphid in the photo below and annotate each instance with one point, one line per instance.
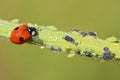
(107, 56)
(106, 50)
(69, 39)
(84, 34)
(92, 34)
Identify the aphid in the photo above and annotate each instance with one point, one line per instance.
(92, 34)
(84, 34)
(69, 39)
(107, 55)
(106, 50)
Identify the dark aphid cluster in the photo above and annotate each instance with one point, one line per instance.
(89, 34)
(70, 39)
(57, 50)
(107, 55)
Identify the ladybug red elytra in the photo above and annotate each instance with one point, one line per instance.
(22, 33)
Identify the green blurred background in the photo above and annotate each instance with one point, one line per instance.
(30, 62)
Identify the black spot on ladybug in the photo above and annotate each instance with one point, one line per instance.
(16, 28)
(21, 39)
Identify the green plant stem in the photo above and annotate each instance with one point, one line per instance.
(50, 37)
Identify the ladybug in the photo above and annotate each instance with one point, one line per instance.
(22, 33)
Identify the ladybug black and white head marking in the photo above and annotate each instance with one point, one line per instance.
(32, 31)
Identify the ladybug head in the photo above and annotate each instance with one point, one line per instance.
(32, 31)
(20, 34)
